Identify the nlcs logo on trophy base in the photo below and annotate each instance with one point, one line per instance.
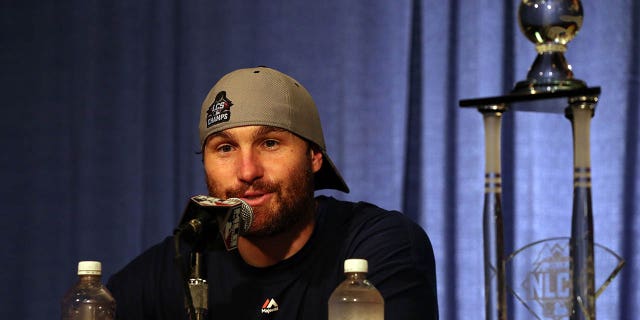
(542, 276)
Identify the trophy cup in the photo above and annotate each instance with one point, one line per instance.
(550, 25)
(560, 282)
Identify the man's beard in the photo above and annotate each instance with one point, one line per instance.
(294, 202)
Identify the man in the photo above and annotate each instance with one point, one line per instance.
(262, 142)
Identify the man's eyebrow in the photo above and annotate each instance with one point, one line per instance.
(220, 134)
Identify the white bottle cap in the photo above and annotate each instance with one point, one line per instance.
(89, 267)
(356, 265)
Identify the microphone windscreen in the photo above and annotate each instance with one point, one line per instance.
(246, 217)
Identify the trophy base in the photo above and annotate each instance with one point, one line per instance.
(534, 86)
(541, 277)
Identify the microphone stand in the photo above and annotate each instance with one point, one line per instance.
(198, 286)
(205, 230)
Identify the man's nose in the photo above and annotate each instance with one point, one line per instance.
(250, 166)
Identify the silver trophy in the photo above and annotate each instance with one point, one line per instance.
(550, 25)
(559, 281)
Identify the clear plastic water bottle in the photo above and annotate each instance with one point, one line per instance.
(88, 299)
(356, 298)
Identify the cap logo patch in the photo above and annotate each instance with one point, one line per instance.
(220, 110)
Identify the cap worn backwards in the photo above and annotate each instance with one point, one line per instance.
(266, 97)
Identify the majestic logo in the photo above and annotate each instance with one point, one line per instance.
(269, 306)
(549, 281)
(220, 110)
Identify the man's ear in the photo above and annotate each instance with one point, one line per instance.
(316, 159)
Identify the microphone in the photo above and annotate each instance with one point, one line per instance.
(203, 215)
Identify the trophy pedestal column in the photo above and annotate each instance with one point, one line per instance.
(581, 248)
(578, 105)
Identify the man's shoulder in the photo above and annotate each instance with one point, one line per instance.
(365, 213)
(366, 226)
(350, 207)
(150, 284)
(156, 257)
(398, 251)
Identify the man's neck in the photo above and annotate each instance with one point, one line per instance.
(267, 251)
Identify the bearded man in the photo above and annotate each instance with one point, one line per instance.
(262, 142)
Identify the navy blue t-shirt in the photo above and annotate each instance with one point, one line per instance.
(401, 267)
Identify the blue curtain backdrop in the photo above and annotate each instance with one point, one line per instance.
(100, 102)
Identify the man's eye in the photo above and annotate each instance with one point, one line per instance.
(224, 148)
(270, 143)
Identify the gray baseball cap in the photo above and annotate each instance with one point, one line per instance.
(267, 97)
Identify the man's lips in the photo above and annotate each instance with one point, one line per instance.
(255, 198)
